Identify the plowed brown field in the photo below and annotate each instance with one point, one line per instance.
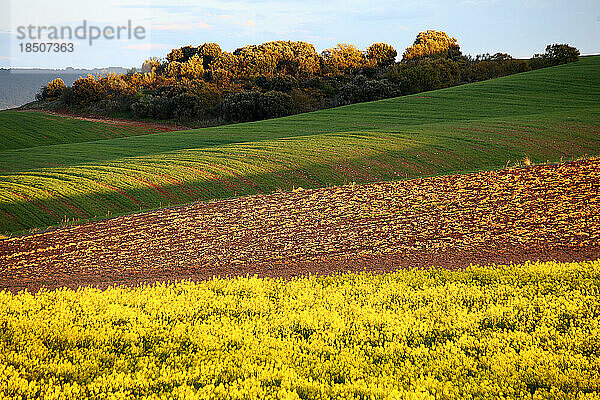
(540, 212)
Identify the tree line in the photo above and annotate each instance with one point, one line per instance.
(205, 85)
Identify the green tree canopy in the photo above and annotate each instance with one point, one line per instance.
(382, 54)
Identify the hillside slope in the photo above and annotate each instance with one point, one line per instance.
(26, 129)
(545, 114)
(541, 212)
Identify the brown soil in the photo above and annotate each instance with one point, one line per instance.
(549, 212)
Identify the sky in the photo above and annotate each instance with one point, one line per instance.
(520, 28)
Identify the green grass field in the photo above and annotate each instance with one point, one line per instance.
(510, 332)
(545, 115)
(25, 129)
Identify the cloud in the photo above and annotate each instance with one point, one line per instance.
(145, 46)
(181, 27)
(247, 23)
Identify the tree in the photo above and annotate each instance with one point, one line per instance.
(343, 59)
(87, 90)
(433, 44)
(382, 54)
(240, 107)
(274, 104)
(252, 106)
(209, 52)
(193, 68)
(182, 54)
(555, 54)
(225, 68)
(53, 90)
(424, 74)
(297, 59)
(151, 64)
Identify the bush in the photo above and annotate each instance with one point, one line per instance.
(280, 83)
(240, 107)
(362, 90)
(190, 107)
(66, 97)
(282, 77)
(86, 91)
(253, 106)
(305, 100)
(424, 74)
(52, 91)
(488, 67)
(209, 52)
(555, 54)
(274, 104)
(158, 107)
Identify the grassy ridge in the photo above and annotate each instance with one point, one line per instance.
(511, 332)
(25, 129)
(544, 114)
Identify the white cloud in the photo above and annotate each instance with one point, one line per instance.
(247, 23)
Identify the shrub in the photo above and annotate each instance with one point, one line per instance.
(188, 107)
(52, 91)
(492, 66)
(274, 104)
(424, 74)
(196, 105)
(252, 106)
(305, 100)
(86, 90)
(281, 83)
(182, 54)
(555, 54)
(240, 107)
(362, 90)
(158, 107)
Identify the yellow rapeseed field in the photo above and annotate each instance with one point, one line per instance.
(519, 331)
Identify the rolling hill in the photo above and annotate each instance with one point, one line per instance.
(25, 129)
(540, 212)
(544, 115)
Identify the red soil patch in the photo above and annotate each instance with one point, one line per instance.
(534, 213)
(158, 127)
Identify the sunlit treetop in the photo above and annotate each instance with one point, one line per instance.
(432, 43)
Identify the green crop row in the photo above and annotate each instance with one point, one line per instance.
(544, 115)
